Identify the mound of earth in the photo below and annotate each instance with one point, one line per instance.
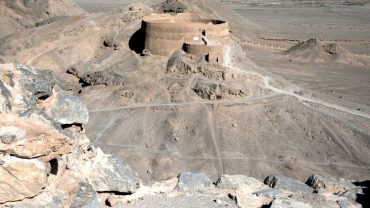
(316, 51)
(19, 14)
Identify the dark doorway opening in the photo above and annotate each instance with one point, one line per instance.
(137, 41)
(204, 33)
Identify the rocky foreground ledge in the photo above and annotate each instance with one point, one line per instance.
(47, 161)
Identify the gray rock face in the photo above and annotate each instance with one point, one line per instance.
(43, 200)
(191, 181)
(344, 203)
(39, 83)
(286, 183)
(69, 109)
(85, 197)
(238, 182)
(353, 194)
(329, 184)
(104, 172)
(112, 174)
(288, 203)
(271, 193)
(4, 98)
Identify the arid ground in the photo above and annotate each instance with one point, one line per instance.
(300, 111)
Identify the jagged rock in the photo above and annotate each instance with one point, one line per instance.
(286, 183)
(21, 178)
(21, 87)
(247, 200)
(26, 131)
(329, 184)
(112, 174)
(70, 170)
(105, 172)
(313, 199)
(32, 138)
(243, 187)
(43, 200)
(208, 90)
(70, 109)
(353, 193)
(4, 98)
(288, 203)
(344, 203)
(85, 197)
(190, 181)
(239, 182)
(101, 78)
(39, 83)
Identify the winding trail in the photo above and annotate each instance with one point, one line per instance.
(303, 99)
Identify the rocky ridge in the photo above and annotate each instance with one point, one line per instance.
(45, 158)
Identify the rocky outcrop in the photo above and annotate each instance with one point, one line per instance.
(105, 172)
(68, 109)
(215, 91)
(21, 178)
(45, 158)
(233, 191)
(193, 181)
(286, 183)
(329, 184)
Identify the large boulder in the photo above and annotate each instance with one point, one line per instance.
(32, 138)
(241, 189)
(193, 181)
(105, 172)
(69, 109)
(240, 182)
(39, 84)
(286, 183)
(329, 184)
(21, 178)
(85, 197)
(42, 200)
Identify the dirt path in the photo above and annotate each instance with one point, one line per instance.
(221, 102)
(267, 81)
(211, 122)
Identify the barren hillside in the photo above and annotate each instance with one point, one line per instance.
(271, 104)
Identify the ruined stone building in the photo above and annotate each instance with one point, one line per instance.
(166, 33)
